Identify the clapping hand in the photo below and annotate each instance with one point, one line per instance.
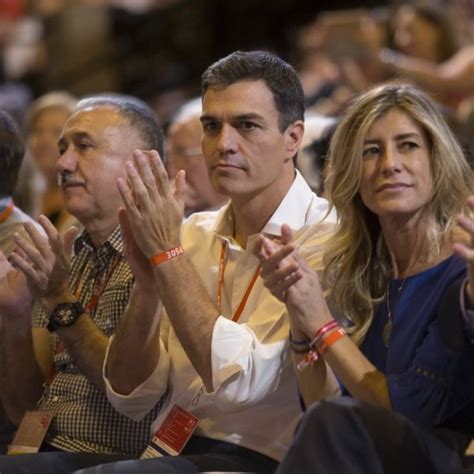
(288, 277)
(154, 209)
(45, 260)
(465, 249)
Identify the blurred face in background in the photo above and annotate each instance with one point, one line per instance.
(184, 152)
(42, 140)
(415, 35)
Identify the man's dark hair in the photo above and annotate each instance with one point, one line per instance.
(136, 113)
(12, 150)
(277, 74)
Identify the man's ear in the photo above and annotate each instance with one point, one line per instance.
(293, 137)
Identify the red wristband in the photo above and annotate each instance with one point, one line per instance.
(166, 255)
(323, 330)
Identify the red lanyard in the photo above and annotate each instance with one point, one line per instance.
(5, 214)
(97, 292)
(220, 284)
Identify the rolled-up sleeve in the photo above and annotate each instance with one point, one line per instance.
(140, 401)
(244, 369)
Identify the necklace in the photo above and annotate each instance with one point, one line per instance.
(425, 263)
(387, 329)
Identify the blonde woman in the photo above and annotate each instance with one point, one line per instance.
(399, 182)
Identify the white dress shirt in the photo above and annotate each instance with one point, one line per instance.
(255, 399)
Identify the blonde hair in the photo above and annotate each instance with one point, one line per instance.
(357, 264)
(52, 100)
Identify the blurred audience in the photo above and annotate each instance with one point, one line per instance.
(353, 49)
(314, 148)
(453, 75)
(423, 30)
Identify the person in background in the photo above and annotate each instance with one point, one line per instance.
(44, 122)
(12, 151)
(12, 219)
(314, 149)
(183, 151)
(400, 184)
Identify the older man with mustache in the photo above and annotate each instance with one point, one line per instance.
(60, 311)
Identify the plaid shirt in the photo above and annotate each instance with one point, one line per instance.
(84, 420)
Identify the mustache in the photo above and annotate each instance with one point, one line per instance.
(68, 179)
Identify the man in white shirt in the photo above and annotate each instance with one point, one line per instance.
(221, 346)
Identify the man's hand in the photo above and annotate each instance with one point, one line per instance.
(154, 209)
(140, 265)
(45, 261)
(465, 249)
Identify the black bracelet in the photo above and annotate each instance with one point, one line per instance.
(299, 347)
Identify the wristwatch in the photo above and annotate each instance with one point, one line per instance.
(65, 315)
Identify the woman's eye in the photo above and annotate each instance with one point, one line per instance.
(370, 151)
(409, 145)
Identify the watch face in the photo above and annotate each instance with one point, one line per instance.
(65, 315)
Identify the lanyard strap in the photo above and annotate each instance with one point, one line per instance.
(5, 214)
(220, 284)
(98, 290)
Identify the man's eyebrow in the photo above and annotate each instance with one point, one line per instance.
(206, 118)
(74, 136)
(237, 117)
(79, 135)
(249, 116)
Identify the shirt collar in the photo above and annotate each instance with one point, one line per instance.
(292, 210)
(114, 242)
